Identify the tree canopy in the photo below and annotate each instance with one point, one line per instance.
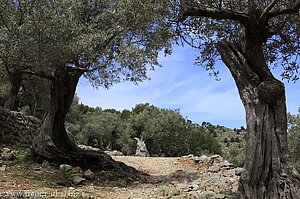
(111, 41)
(206, 23)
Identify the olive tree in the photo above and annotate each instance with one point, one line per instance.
(251, 37)
(63, 40)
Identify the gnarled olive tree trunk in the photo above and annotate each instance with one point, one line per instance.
(53, 142)
(267, 174)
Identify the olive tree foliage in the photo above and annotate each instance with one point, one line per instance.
(166, 133)
(27, 43)
(210, 22)
(110, 40)
(35, 96)
(102, 130)
(294, 138)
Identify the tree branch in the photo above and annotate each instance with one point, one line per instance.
(268, 9)
(237, 64)
(41, 74)
(293, 10)
(251, 8)
(214, 13)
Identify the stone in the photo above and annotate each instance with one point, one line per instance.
(190, 156)
(8, 154)
(214, 169)
(77, 180)
(226, 165)
(65, 167)
(194, 195)
(207, 195)
(114, 153)
(204, 159)
(45, 164)
(238, 171)
(196, 159)
(229, 173)
(5, 150)
(3, 167)
(117, 153)
(141, 149)
(77, 170)
(220, 196)
(88, 148)
(88, 174)
(215, 159)
(176, 197)
(191, 172)
(194, 187)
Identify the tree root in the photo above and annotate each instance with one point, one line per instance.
(86, 159)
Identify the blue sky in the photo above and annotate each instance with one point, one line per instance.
(181, 84)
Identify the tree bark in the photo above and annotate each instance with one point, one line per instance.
(15, 79)
(53, 142)
(267, 174)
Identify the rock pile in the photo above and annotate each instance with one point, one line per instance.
(213, 178)
(77, 176)
(17, 127)
(111, 153)
(88, 148)
(6, 154)
(114, 153)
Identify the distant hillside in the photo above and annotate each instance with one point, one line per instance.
(232, 142)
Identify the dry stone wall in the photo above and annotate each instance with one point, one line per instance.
(16, 127)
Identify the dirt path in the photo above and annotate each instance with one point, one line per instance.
(155, 166)
(167, 178)
(161, 173)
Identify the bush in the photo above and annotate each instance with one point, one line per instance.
(235, 155)
(294, 148)
(294, 139)
(167, 133)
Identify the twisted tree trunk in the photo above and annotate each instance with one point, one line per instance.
(267, 174)
(53, 142)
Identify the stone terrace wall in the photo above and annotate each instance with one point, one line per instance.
(16, 127)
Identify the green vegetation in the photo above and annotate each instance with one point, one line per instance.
(294, 139)
(166, 132)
